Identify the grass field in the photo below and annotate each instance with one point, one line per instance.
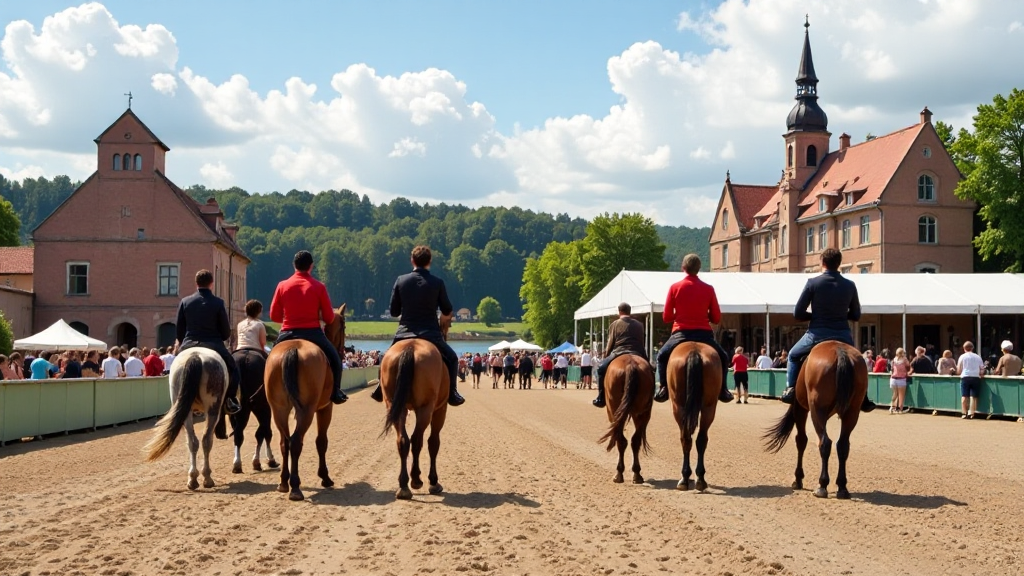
(386, 328)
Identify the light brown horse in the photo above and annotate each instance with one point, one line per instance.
(413, 377)
(833, 380)
(694, 381)
(299, 377)
(629, 389)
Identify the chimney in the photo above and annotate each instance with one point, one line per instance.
(844, 141)
(926, 116)
(211, 213)
(230, 229)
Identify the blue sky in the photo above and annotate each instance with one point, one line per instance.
(568, 106)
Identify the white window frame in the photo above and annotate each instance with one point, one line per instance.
(768, 246)
(160, 277)
(822, 237)
(847, 232)
(822, 204)
(67, 277)
(725, 219)
(725, 256)
(926, 188)
(783, 236)
(809, 241)
(865, 230)
(923, 266)
(934, 226)
(849, 198)
(756, 249)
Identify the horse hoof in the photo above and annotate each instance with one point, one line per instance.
(209, 483)
(273, 463)
(435, 489)
(618, 479)
(282, 488)
(327, 483)
(701, 485)
(416, 484)
(257, 466)
(843, 494)
(638, 479)
(821, 493)
(295, 496)
(683, 485)
(403, 494)
(236, 468)
(798, 485)
(193, 484)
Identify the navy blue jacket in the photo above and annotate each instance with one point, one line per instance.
(202, 317)
(416, 297)
(833, 301)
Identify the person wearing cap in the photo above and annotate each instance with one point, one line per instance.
(1009, 363)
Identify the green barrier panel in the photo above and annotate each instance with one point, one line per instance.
(1000, 396)
(21, 409)
(137, 393)
(3, 391)
(157, 396)
(80, 403)
(53, 402)
(358, 377)
(113, 401)
(572, 374)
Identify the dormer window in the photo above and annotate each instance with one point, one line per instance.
(117, 161)
(822, 204)
(849, 198)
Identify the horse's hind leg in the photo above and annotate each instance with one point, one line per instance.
(303, 420)
(422, 420)
(264, 434)
(843, 449)
(208, 445)
(706, 418)
(281, 422)
(636, 443)
(686, 438)
(403, 454)
(238, 423)
(800, 415)
(193, 450)
(824, 448)
(433, 445)
(323, 421)
(620, 443)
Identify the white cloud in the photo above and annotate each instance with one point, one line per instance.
(20, 172)
(680, 122)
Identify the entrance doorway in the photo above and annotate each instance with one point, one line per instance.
(165, 334)
(925, 335)
(126, 335)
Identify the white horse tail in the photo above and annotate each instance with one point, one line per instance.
(189, 379)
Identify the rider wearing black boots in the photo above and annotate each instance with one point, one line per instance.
(625, 336)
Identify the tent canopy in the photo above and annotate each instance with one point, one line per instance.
(504, 344)
(524, 345)
(752, 293)
(564, 347)
(59, 336)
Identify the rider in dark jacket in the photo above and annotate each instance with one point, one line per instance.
(203, 321)
(625, 336)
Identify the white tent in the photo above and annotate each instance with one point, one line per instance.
(59, 336)
(504, 344)
(524, 345)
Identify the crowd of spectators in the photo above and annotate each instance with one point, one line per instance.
(118, 362)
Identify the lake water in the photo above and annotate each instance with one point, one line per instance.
(460, 346)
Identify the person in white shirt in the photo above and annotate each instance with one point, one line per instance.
(168, 358)
(133, 366)
(111, 367)
(763, 362)
(969, 366)
(561, 370)
(586, 368)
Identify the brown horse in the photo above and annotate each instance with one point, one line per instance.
(413, 377)
(694, 381)
(833, 380)
(298, 377)
(629, 388)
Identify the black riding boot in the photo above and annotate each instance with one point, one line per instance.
(599, 401)
(378, 393)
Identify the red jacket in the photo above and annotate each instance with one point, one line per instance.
(300, 302)
(154, 365)
(691, 304)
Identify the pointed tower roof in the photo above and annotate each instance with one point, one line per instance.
(805, 75)
(132, 115)
(806, 115)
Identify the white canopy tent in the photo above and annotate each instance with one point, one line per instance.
(524, 345)
(504, 344)
(59, 336)
(766, 293)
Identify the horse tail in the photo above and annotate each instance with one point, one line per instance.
(290, 375)
(622, 413)
(776, 436)
(403, 386)
(844, 380)
(694, 390)
(189, 377)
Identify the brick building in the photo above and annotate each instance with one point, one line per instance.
(117, 256)
(16, 268)
(887, 203)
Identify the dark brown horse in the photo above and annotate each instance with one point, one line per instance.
(833, 380)
(252, 367)
(413, 377)
(298, 377)
(694, 381)
(629, 389)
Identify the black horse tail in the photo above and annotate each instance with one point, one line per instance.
(694, 390)
(290, 375)
(403, 386)
(844, 380)
(190, 377)
(777, 436)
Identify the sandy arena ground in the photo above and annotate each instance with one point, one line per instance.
(528, 491)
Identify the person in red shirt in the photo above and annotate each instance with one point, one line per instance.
(154, 365)
(691, 307)
(299, 304)
(740, 363)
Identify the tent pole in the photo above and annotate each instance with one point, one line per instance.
(904, 345)
(977, 343)
(575, 339)
(767, 332)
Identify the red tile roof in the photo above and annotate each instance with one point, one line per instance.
(16, 260)
(864, 169)
(749, 200)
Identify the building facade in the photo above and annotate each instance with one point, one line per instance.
(887, 203)
(118, 255)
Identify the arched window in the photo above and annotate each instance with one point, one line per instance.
(789, 157)
(725, 219)
(138, 161)
(927, 230)
(925, 188)
(117, 161)
(126, 164)
(81, 327)
(812, 155)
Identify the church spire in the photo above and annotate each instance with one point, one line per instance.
(806, 115)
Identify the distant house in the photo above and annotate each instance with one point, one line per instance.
(464, 314)
(116, 257)
(16, 268)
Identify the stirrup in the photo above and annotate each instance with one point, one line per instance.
(788, 395)
(599, 401)
(231, 406)
(661, 394)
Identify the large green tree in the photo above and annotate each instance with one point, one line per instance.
(552, 290)
(991, 159)
(489, 311)
(619, 242)
(6, 336)
(10, 224)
